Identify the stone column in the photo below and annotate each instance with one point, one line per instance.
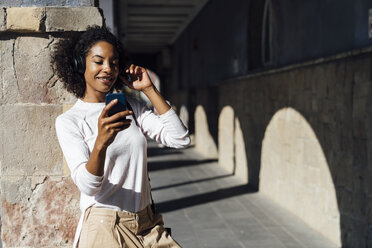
(39, 202)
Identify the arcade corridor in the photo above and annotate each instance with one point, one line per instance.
(207, 207)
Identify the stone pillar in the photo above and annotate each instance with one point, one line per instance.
(39, 202)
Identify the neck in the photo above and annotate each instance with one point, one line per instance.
(94, 98)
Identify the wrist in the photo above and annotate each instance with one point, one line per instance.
(148, 89)
(100, 147)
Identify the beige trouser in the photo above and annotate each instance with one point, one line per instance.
(104, 227)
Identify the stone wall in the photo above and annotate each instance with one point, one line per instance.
(38, 3)
(39, 202)
(303, 136)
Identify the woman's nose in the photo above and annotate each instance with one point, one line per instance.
(108, 67)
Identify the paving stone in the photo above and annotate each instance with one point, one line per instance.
(207, 207)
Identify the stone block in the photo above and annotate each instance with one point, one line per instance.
(30, 145)
(25, 19)
(78, 18)
(362, 70)
(319, 79)
(58, 94)
(66, 169)
(24, 3)
(2, 19)
(297, 79)
(8, 80)
(46, 218)
(15, 189)
(32, 68)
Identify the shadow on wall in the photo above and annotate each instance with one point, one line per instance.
(293, 165)
(309, 128)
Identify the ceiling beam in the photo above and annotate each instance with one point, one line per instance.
(156, 11)
(197, 9)
(163, 19)
(163, 2)
(151, 25)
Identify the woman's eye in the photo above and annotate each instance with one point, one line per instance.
(98, 62)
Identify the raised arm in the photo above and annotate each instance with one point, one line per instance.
(142, 82)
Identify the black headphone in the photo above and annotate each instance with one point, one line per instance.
(78, 63)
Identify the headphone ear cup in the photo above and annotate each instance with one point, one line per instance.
(78, 64)
(82, 65)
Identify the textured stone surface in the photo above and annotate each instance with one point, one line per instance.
(25, 19)
(299, 170)
(39, 206)
(33, 72)
(28, 3)
(46, 218)
(2, 19)
(57, 93)
(30, 146)
(66, 169)
(8, 80)
(25, 73)
(49, 19)
(321, 175)
(78, 18)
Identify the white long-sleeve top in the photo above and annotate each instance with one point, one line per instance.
(124, 185)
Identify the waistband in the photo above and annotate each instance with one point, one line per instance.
(135, 222)
(121, 214)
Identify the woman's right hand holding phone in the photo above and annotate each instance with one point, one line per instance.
(110, 126)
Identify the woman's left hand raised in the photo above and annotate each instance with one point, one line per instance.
(141, 80)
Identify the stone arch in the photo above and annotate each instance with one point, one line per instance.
(295, 173)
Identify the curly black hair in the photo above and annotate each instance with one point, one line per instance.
(80, 44)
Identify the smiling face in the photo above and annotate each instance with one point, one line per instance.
(102, 70)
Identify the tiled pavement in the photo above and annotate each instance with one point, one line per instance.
(207, 207)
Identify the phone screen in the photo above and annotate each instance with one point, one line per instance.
(120, 106)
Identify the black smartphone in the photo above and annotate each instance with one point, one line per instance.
(120, 106)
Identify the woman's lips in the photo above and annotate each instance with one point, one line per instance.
(105, 80)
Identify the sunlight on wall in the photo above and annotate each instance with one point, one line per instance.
(231, 145)
(226, 139)
(184, 115)
(241, 164)
(295, 174)
(204, 142)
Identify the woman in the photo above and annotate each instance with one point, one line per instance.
(107, 154)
